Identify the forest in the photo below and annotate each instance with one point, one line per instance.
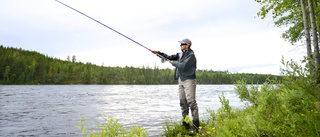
(20, 66)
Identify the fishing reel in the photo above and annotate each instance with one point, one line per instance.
(163, 60)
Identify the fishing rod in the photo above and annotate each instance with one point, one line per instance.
(163, 59)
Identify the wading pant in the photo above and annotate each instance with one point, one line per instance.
(187, 95)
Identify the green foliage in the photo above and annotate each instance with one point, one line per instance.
(173, 129)
(290, 108)
(112, 129)
(6, 75)
(246, 94)
(224, 103)
(224, 77)
(24, 67)
(187, 120)
(287, 13)
(299, 78)
(82, 128)
(284, 13)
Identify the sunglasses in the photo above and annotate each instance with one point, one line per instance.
(183, 44)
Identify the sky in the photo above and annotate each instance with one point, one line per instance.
(225, 34)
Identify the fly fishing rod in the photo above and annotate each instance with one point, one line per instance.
(163, 58)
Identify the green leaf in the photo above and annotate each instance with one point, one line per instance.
(84, 130)
(78, 127)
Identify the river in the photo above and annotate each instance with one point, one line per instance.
(55, 110)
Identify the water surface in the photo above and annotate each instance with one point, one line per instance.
(55, 110)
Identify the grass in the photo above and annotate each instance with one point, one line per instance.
(113, 129)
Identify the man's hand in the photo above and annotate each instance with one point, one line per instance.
(154, 51)
(157, 53)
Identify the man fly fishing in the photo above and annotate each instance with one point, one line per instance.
(185, 72)
(186, 65)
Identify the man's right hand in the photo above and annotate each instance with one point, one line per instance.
(154, 51)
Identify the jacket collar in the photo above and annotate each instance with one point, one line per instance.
(186, 53)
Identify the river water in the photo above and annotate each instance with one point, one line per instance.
(55, 110)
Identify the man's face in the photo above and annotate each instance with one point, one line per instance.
(184, 46)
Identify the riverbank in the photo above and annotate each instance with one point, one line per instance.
(290, 108)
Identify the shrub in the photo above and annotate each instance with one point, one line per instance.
(112, 128)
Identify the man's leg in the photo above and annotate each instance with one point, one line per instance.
(183, 100)
(190, 92)
(190, 89)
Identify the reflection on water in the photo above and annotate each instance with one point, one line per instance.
(55, 110)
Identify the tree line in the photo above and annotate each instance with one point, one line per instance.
(20, 66)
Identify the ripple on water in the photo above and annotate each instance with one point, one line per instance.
(55, 110)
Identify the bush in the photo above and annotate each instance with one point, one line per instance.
(112, 128)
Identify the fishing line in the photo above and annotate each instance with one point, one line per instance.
(109, 28)
(103, 24)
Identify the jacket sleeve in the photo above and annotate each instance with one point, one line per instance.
(188, 62)
(172, 57)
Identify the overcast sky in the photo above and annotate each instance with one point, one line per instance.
(225, 33)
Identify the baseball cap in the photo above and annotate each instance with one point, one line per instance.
(186, 41)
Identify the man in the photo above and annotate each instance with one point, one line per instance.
(186, 64)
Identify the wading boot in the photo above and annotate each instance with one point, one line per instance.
(185, 125)
(195, 127)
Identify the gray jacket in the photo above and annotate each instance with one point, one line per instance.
(185, 63)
